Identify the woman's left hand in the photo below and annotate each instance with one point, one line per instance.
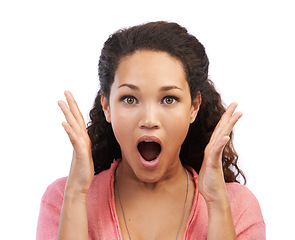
(211, 179)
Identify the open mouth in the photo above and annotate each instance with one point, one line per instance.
(149, 150)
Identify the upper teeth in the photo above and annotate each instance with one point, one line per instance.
(148, 141)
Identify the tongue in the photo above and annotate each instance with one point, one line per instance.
(149, 150)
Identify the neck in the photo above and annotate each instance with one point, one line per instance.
(137, 194)
(174, 174)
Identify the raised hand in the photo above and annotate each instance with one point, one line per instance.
(82, 169)
(211, 180)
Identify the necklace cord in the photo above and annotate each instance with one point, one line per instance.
(186, 198)
(117, 183)
(183, 212)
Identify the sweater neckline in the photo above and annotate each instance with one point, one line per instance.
(111, 195)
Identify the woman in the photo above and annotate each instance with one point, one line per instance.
(157, 160)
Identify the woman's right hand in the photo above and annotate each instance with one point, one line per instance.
(82, 168)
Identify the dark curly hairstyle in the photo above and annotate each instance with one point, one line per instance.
(175, 40)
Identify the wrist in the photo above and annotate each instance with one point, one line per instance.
(76, 187)
(73, 194)
(220, 221)
(219, 205)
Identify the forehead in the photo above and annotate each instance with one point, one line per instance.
(156, 66)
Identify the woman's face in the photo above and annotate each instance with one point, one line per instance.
(150, 110)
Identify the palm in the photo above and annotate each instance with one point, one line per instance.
(211, 180)
(82, 169)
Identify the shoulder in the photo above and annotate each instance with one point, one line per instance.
(50, 209)
(241, 196)
(242, 200)
(54, 192)
(246, 211)
(97, 200)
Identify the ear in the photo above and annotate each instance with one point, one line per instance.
(106, 108)
(195, 107)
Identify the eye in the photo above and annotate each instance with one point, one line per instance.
(169, 100)
(129, 100)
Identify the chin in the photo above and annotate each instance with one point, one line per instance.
(149, 179)
(151, 175)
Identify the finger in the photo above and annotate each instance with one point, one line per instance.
(216, 154)
(71, 134)
(74, 138)
(227, 115)
(75, 109)
(231, 123)
(69, 116)
(227, 129)
(224, 120)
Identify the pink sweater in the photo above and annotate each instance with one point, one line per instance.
(103, 221)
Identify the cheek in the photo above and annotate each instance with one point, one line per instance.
(178, 126)
(122, 123)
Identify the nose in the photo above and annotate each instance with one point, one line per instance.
(149, 118)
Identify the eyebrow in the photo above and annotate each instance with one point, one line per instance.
(162, 89)
(131, 86)
(167, 88)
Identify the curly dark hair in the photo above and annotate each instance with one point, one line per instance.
(175, 40)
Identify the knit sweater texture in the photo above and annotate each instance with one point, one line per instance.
(103, 221)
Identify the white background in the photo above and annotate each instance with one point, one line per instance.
(47, 47)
